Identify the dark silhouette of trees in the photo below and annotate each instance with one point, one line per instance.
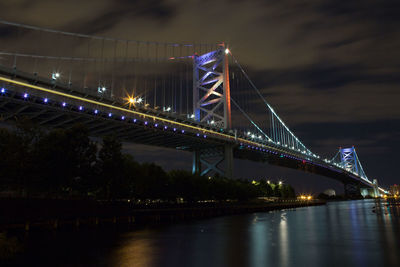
(67, 163)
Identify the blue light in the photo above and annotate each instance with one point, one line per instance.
(145, 123)
(45, 100)
(155, 125)
(109, 114)
(205, 136)
(174, 129)
(80, 108)
(183, 131)
(64, 104)
(3, 90)
(96, 111)
(198, 134)
(165, 127)
(123, 118)
(26, 95)
(134, 120)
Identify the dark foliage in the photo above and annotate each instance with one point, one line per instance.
(67, 163)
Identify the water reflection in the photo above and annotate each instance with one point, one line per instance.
(357, 233)
(135, 250)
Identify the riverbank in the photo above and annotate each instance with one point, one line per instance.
(28, 214)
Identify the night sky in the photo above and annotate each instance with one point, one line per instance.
(331, 69)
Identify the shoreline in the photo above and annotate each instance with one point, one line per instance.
(29, 214)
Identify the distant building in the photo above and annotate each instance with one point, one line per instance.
(330, 192)
(394, 189)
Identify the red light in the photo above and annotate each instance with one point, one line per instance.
(304, 162)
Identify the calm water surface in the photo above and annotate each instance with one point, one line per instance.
(354, 233)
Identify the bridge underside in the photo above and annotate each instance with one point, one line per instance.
(51, 117)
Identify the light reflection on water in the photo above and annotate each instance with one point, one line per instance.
(356, 233)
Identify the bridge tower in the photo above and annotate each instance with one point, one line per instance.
(376, 188)
(212, 105)
(348, 159)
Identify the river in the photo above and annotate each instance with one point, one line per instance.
(352, 233)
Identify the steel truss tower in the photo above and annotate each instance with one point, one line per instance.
(212, 105)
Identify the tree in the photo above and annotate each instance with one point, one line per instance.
(66, 159)
(111, 167)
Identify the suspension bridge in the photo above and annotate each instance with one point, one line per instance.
(191, 97)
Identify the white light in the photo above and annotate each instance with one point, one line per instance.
(248, 133)
(3, 90)
(139, 100)
(227, 51)
(101, 89)
(55, 75)
(212, 122)
(252, 136)
(192, 116)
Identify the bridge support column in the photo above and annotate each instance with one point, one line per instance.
(211, 162)
(196, 165)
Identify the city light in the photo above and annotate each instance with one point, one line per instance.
(80, 108)
(139, 100)
(109, 114)
(26, 95)
(227, 51)
(45, 100)
(305, 197)
(55, 75)
(101, 89)
(280, 182)
(64, 104)
(3, 90)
